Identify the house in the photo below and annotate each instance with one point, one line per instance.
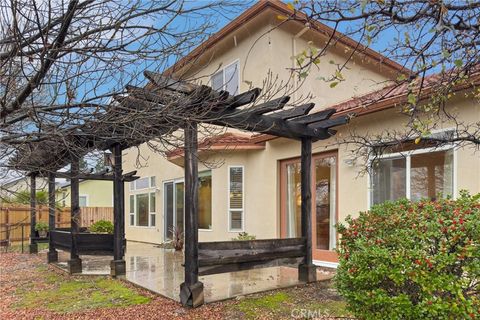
(257, 187)
(18, 185)
(93, 193)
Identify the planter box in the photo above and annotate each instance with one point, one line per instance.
(87, 243)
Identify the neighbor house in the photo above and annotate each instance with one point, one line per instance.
(92, 193)
(256, 189)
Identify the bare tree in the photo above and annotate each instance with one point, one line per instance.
(437, 42)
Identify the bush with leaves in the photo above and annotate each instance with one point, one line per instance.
(413, 260)
(41, 226)
(102, 226)
(244, 236)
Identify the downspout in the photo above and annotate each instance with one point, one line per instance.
(294, 62)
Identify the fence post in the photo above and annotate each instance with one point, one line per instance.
(33, 206)
(52, 253)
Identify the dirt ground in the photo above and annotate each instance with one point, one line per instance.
(31, 289)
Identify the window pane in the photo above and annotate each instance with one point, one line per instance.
(82, 201)
(153, 182)
(294, 200)
(205, 200)
(236, 220)
(141, 183)
(236, 188)
(325, 212)
(132, 220)
(231, 78)
(152, 220)
(152, 202)
(142, 209)
(179, 200)
(132, 204)
(168, 209)
(217, 80)
(388, 180)
(431, 174)
(132, 185)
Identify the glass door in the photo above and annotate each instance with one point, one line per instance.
(174, 207)
(324, 203)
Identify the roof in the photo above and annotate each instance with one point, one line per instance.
(228, 141)
(395, 94)
(386, 98)
(281, 8)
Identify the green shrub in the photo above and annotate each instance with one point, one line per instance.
(41, 226)
(102, 226)
(405, 260)
(242, 236)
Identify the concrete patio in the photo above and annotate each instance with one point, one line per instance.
(160, 270)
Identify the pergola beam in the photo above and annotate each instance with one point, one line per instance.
(127, 177)
(301, 110)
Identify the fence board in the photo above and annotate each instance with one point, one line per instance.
(13, 217)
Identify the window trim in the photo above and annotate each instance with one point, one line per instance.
(229, 210)
(87, 199)
(407, 155)
(223, 74)
(149, 178)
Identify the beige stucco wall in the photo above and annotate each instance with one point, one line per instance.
(99, 193)
(272, 52)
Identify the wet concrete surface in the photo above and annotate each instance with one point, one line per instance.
(161, 271)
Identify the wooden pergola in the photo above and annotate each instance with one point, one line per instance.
(184, 105)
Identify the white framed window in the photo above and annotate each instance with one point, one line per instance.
(83, 200)
(227, 78)
(142, 211)
(236, 198)
(413, 174)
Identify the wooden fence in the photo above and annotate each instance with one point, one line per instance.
(13, 218)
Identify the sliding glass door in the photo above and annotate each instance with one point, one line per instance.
(174, 201)
(174, 211)
(324, 203)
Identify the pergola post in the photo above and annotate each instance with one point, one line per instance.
(52, 253)
(117, 265)
(33, 208)
(75, 263)
(191, 291)
(307, 270)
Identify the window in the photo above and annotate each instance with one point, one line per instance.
(132, 210)
(205, 200)
(143, 204)
(418, 174)
(174, 210)
(235, 198)
(227, 79)
(83, 201)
